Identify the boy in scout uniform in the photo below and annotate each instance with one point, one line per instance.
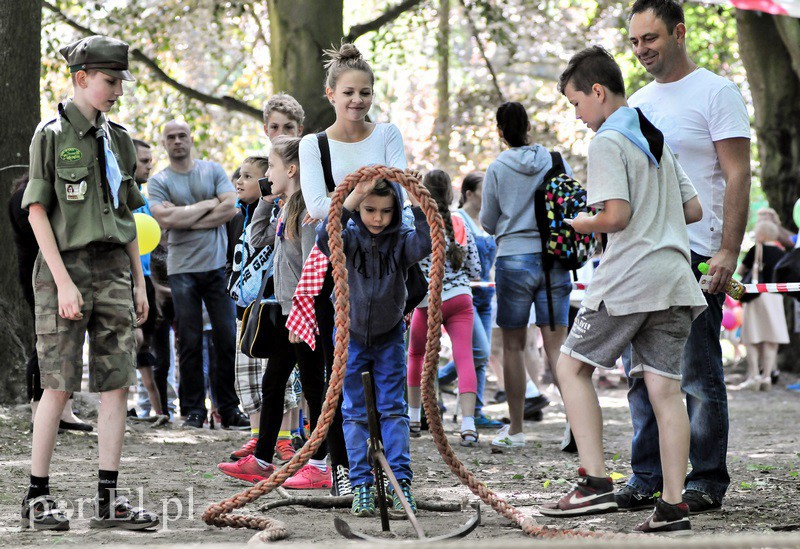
(88, 275)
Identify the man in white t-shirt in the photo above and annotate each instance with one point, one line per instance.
(705, 122)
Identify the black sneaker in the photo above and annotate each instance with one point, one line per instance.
(591, 496)
(628, 499)
(700, 502)
(534, 405)
(667, 518)
(341, 481)
(195, 420)
(120, 514)
(42, 513)
(236, 421)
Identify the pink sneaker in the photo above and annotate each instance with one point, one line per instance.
(246, 450)
(309, 478)
(247, 469)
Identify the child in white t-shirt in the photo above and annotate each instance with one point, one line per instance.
(643, 292)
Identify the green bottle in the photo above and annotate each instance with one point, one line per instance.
(735, 289)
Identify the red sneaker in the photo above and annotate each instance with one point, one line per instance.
(284, 450)
(247, 469)
(590, 496)
(309, 478)
(246, 450)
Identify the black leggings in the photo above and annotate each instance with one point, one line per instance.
(273, 386)
(325, 315)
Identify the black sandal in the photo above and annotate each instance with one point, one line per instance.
(124, 516)
(469, 438)
(42, 513)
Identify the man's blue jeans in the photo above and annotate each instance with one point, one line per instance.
(481, 348)
(387, 362)
(707, 402)
(189, 292)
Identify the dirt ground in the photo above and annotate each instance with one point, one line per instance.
(176, 469)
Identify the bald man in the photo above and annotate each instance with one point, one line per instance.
(193, 199)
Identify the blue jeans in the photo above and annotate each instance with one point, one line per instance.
(387, 362)
(189, 292)
(707, 403)
(521, 282)
(481, 349)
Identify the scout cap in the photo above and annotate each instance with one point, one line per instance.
(105, 54)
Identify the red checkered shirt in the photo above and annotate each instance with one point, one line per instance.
(302, 319)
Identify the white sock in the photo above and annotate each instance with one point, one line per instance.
(531, 390)
(263, 463)
(320, 464)
(415, 414)
(467, 423)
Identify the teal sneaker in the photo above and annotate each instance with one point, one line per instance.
(363, 500)
(483, 422)
(405, 485)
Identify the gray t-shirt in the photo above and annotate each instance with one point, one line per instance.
(192, 250)
(647, 266)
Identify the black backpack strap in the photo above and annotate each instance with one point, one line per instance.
(540, 211)
(325, 157)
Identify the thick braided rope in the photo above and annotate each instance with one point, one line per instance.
(219, 514)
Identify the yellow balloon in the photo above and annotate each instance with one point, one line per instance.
(148, 232)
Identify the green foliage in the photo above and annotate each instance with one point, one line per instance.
(220, 48)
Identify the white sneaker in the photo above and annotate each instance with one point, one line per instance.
(504, 440)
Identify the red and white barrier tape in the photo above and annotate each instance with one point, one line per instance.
(771, 288)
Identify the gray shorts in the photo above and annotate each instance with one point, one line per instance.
(658, 339)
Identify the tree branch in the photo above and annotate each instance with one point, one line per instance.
(226, 102)
(474, 31)
(386, 17)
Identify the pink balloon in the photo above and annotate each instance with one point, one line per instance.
(730, 303)
(728, 319)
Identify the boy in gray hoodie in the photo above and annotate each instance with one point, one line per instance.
(379, 249)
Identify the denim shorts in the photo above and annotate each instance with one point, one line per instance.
(520, 282)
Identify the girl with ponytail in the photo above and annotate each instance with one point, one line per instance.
(508, 213)
(462, 265)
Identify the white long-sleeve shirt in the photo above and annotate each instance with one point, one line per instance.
(383, 146)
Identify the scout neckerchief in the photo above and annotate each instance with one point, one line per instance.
(112, 171)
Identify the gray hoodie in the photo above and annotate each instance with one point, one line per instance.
(507, 210)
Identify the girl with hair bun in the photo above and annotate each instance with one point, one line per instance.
(353, 142)
(507, 212)
(462, 265)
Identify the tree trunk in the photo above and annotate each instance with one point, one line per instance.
(775, 85)
(770, 50)
(299, 31)
(20, 61)
(442, 126)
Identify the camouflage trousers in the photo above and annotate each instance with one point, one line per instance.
(102, 273)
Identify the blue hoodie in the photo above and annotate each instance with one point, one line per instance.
(507, 210)
(377, 267)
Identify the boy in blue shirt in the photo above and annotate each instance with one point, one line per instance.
(379, 250)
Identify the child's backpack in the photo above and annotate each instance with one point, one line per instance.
(560, 197)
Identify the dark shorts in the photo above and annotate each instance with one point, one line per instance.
(102, 274)
(657, 338)
(149, 326)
